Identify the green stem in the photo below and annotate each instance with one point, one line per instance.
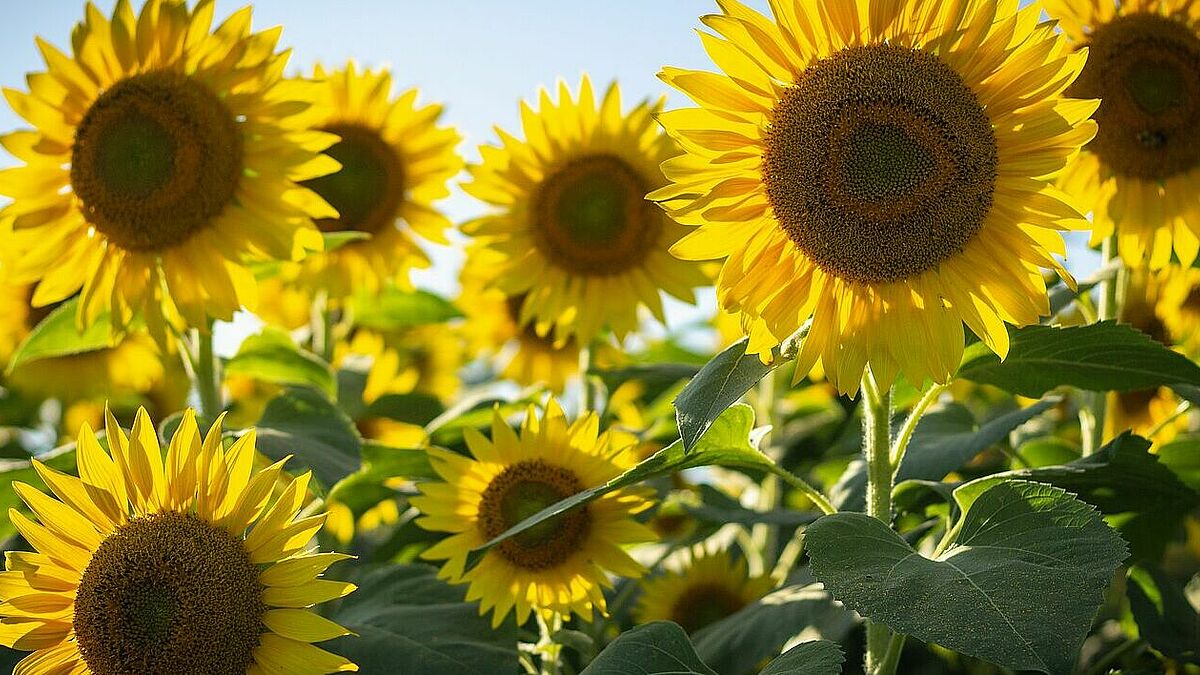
(550, 651)
(206, 374)
(891, 659)
(1091, 419)
(877, 409)
(322, 328)
(585, 389)
(764, 536)
(900, 446)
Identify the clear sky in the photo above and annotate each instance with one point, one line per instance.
(478, 57)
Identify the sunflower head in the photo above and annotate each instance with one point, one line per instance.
(559, 566)
(708, 588)
(178, 564)
(575, 238)
(1141, 174)
(879, 170)
(163, 153)
(396, 162)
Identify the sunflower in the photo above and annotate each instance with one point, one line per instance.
(1141, 174)
(493, 327)
(577, 241)
(185, 565)
(163, 155)
(1178, 307)
(422, 359)
(396, 162)
(881, 169)
(710, 587)
(557, 567)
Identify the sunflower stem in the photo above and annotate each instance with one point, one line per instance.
(585, 389)
(877, 414)
(764, 535)
(207, 373)
(550, 651)
(900, 445)
(322, 327)
(1091, 418)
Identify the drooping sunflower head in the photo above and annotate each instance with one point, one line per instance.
(146, 564)
(396, 162)
(881, 169)
(162, 155)
(1141, 174)
(577, 239)
(559, 566)
(709, 587)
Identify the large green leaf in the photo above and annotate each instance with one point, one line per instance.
(1163, 614)
(271, 356)
(303, 423)
(366, 487)
(58, 335)
(736, 644)
(1018, 587)
(726, 443)
(394, 309)
(1182, 456)
(408, 621)
(1104, 356)
(819, 657)
(656, 648)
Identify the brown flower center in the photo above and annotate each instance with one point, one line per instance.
(522, 490)
(369, 189)
(704, 604)
(880, 163)
(169, 593)
(1145, 68)
(156, 158)
(591, 217)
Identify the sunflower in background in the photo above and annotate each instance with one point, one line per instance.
(709, 587)
(1141, 174)
(396, 162)
(560, 566)
(881, 172)
(575, 237)
(163, 154)
(1179, 307)
(146, 565)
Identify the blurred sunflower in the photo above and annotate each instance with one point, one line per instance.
(881, 170)
(559, 566)
(1141, 174)
(709, 587)
(149, 566)
(577, 241)
(421, 359)
(396, 162)
(493, 327)
(163, 155)
(1179, 307)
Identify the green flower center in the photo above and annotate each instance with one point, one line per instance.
(592, 218)
(522, 490)
(369, 189)
(156, 158)
(880, 163)
(169, 593)
(1145, 68)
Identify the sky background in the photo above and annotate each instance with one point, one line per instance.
(478, 57)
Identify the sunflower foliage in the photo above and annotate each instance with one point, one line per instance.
(908, 440)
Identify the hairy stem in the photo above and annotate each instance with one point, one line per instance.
(206, 374)
(877, 409)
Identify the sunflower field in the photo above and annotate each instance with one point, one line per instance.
(783, 370)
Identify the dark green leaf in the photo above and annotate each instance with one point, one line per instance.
(394, 309)
(656, 648)
(408, 621)
(271, 356)
(1048, 451)
(819, 657)
(1163, 614)
(1182, 456)
(57, 335)
(948, 437)
(1018, 587)
(1104, 356)
(412, 408)
(366, 487)
(718, 507)
(303, 423)
(737, 644)
(1061, 295)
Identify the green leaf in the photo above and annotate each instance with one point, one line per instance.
(61, 458)
(1018, 587)
(271, 356)
(718, 507)
(1163, 614)
(1182, 456)
(365, 488)
(1061, 295)
(819, 657)
(57, 335)
(1104, 356)
(718, 385)
(1048, 451)
(737, 644)
(336, 240)
(303, 423)
(726, 443)
(656, 648)
(413, 408)
(409, 621)
(473, 411)
(394, 309)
